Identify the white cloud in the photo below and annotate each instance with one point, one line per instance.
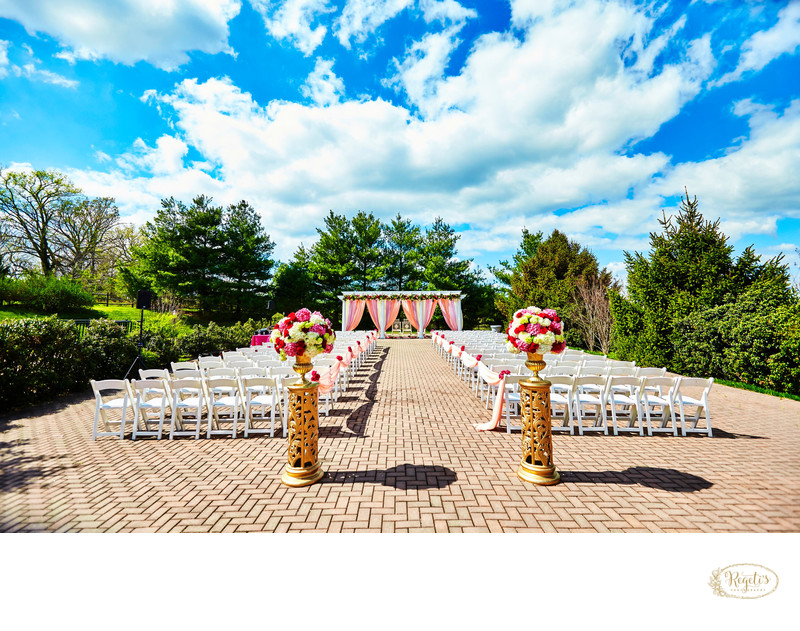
(531, 131)
(446, 11)
(360, 18)
(754, 184)
(4, 57)
(128, 31)
(421, 72)
(764, 46)
(293, 20)
(323, 87)
(30, 71)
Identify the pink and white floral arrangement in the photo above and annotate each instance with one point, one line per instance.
(535, 330)
(303, 333)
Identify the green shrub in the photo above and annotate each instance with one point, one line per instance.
(160, 345)
(40, 358)
(45, 293)
(754, 340)
(108, 350)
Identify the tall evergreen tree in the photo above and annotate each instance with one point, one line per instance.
(293, 285)
(366, 251)
(690, 268)
(402, 253)
(245, 262)
(506, 300)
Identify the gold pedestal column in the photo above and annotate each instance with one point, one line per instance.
(303, 467)
(536, 465)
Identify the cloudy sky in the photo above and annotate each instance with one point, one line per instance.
(586, 115)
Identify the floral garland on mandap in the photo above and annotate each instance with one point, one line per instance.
(379, 296)
(303, 333)
(535, 330)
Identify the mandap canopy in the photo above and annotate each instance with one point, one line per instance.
(383, 307)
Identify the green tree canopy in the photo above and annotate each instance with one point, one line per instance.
(217, 258)
(690, 268)
(46, 219)
(402, 254)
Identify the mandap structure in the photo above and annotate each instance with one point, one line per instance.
(384, 306)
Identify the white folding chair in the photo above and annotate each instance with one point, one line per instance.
(659, 407)
(701, 404)
(222, 393)
(187, 399)
(255, 371)
(210, 362)
(513, 397)
(626, 392)
(149, 396)
(261, 393)
(562, 393)
(239, 363)
(154, 373)
(590, 392)
(117, 398)
(192, 365)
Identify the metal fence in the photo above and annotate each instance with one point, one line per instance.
(82, 325)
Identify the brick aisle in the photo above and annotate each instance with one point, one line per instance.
(401, 455)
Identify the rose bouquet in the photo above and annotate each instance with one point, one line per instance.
(303, 333)
(535, 330)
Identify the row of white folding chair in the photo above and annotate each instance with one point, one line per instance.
(186, 400)
(282, 375)
(625, 384)
(652, 399)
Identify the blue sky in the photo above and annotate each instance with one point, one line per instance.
(588, 116)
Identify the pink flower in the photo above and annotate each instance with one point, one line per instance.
(339, 358)
(293, 349)
(462, 348)
(558, 347)
(550, 314)
(318, 328)
(555, 327)
(314, 375)
(533, 329)
(478, 357)
(328, 348)
(522, 346)
(304, 315)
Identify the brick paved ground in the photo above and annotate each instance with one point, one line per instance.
(401, 455)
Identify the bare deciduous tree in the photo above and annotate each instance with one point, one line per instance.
(593, 314)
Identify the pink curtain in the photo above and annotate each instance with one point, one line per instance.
(451, 310)
(419, 313)
(383, 313)
(352, 312)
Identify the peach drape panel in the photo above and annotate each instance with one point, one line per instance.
(352, 312)
(493, 379)
(451, 310)
(383, 313)
(419, 313)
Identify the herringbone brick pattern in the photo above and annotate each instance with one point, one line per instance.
(402, 455)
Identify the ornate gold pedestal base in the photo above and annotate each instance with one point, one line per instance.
(302, 476)
(536, 465)
(534, 474)
(303, 467)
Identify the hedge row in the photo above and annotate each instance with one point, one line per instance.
(45, 293)
(41, 358)
(753, 340)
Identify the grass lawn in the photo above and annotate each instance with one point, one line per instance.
(113, 312)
